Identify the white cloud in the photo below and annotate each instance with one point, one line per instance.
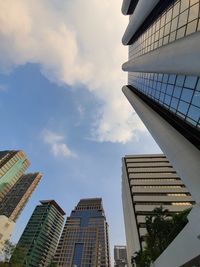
(74, 42)
(57, 146)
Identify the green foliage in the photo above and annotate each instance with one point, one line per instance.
(12, 255)
(7, 251)
(52, 264)
(161, 231)
(18, 257)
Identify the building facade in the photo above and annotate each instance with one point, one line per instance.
(149, 181)
(15, 189)
(13, 164)
(120, 256)
(84, 240)
(40, 238)
(163, 78)
(15, 200)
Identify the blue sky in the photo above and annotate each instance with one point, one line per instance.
(61, 102)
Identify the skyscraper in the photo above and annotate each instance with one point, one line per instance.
(40, 237)
(120, 256)
(163, 78)
(84, 240)
(16, 198)
(12, 166)
(15, 189)
(149, 181)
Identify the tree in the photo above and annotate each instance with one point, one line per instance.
(7, 250)
(161, 231)
(52, 264)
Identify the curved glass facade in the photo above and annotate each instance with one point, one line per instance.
(179, 20)
(178, 93)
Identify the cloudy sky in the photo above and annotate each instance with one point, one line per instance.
(61, 101)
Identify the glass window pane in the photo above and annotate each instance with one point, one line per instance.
(191, 27)
(183, 107)
(169, 90)
(190, 81)
(180, 80)
(177, 91)
(172, 79)
(194, 113)
(174, 102)
(176, 9)
(167, 99)
(183, 18)
(186, 95)
(196, 99)
(193, 12)
(184, 4)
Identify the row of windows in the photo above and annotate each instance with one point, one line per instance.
(179, 20)
(178, 93)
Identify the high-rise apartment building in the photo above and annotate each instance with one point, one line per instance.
(84, 240)
(15, 200)
(120, 256)
(163, 78)
(15, 189)
(149, 181)
(12, 166)
(40, 238)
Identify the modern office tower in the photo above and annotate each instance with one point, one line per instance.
(84, 240)
(120, 256)
(40, 237)
(163, 78)
(12, 166)
(15, 200)
(15, 189)
(149, 181)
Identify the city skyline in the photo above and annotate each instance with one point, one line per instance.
(56, 121)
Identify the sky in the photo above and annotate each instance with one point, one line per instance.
(61, 102)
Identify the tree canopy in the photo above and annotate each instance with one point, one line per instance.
(162, 228)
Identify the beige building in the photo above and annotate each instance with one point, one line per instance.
(84, 240)
(149, 181)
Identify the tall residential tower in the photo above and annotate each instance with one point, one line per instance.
(149, 181)
(15, 189)
(40, 238)
(84, 241)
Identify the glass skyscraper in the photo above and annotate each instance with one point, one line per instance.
(15, 189)
(163, 78)
(12, 166)
(15, 200)
(40, 238)
(84, 240)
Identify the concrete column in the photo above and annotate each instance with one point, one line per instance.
(179, 57)
(132, 238)
(184, 156)
(125, 6)
(142, 10)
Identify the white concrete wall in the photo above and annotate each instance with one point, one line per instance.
(132, 239)
(183, 155)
